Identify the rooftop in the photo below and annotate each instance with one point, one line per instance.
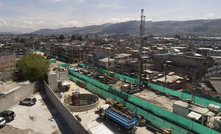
(169, 79)
(107, 59)
(122, 55)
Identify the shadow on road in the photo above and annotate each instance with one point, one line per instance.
(62, 125)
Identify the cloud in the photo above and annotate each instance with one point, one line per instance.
(56, 0)
(81, 1)
(120, 19)
(70, 24)
(103, 5)
(3, 23)
(23, 26)
(208, 16)
(107, 20)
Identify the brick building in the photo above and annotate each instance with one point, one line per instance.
(7, 64)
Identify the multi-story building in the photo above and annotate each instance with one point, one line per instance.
(19, 49)
(78, 53)
(194, 67)
(70, 53)
(107, 63)
(123, 58)
(214, 70)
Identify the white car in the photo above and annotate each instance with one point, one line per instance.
(28, 101)
(2, 122)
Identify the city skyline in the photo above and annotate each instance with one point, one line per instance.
(28, 16)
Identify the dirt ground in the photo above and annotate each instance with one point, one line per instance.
(157, 100)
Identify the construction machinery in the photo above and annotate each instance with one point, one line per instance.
(120, 120)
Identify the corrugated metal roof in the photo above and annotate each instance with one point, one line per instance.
(194, 115)
(217, 85)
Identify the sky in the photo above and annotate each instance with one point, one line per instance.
(30, 15)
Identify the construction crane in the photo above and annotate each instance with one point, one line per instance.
(142, 23)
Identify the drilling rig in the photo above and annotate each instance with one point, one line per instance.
(142, 23)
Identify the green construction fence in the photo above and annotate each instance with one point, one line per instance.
(52, 61)
(149, 111)
(64, 65)
(82, 65)
(181, 95)
(147, 115)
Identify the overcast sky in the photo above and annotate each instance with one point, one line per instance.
(31, 15)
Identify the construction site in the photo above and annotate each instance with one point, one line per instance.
(132, 104)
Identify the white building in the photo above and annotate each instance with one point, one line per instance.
(215, 69)
(107, 63)
(123, 58)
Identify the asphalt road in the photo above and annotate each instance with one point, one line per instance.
(41, 118)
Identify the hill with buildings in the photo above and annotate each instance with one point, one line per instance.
(162, 28)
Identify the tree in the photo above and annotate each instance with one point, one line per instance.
(177, 36)
(33, 67)
(73, 37)
(30, 44)
(80, 38)
(17, 40)
(22, 40)
(61, 37)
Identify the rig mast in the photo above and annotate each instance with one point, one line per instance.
(142, 24)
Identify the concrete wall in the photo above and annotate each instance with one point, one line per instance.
(94, 99)
(180, 60)
(63, 75)
(7, 60)
(15, 96)
(6, 76)
(72, 122)
(53, 80)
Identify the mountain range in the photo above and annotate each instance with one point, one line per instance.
(210, 27)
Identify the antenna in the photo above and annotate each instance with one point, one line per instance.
(142, 22)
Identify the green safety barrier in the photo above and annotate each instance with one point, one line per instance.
(181, 95)
(61, 59)
(141, 106)
(52, 61)
(64, 65)
(147, 115)
(82, 65)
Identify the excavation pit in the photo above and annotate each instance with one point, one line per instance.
(81, 102)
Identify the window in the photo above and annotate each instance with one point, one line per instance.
(109, 64)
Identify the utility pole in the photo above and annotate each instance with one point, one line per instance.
(142, 22)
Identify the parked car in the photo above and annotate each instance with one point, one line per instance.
(18, 76)
(2, 122)
(8, 115)
(28, 101)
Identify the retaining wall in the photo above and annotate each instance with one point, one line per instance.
(15, 96)
(66, 114)
(94, 99)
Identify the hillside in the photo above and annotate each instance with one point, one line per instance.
(162, 28)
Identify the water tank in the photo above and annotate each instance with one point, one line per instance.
(210, 107)
(214, 108)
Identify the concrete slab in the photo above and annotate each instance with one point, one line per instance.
(41, 118)
(90, 119)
